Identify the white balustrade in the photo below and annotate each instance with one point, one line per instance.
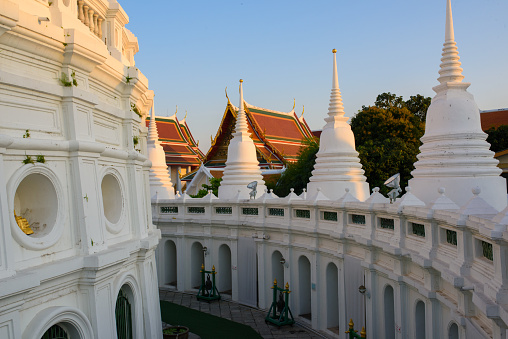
(90, 18)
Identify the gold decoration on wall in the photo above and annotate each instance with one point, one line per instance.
(23, 224)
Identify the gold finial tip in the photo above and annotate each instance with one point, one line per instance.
(334, 50)
(241, 80)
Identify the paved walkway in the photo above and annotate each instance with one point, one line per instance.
(231, 310)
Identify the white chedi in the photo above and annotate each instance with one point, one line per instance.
(454, 154)
(242, 166)
(160, 178)
(337, 164)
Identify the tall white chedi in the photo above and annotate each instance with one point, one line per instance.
(454, 154)
(242, 166)
(160, 178)
(337, 165)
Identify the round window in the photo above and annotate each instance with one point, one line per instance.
(112, 198)
(35, 205)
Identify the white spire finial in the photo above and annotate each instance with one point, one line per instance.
(450, 65)
(336, 107)
(153, 134)
(241, 119)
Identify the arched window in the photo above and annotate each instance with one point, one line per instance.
(420, 320)
(55, 332)
(304, 292)
(225, 276)
(453, 331)
(389, 313)
(123, 316)
(332, 296)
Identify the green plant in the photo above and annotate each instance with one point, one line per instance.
(64, 80)
(50, 3)
(135, 109)
(40, 158)
(174, 330)
(135, 140)
(64, 43)
(28, 160)
(74, 81)
(127, 79)
(214, 187)
(27, 134)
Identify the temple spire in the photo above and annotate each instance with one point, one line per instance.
(337, 164)
(242, 166)
(450, 65)
(153, 134)
(454, 154)
(159, 176)
(336, 108)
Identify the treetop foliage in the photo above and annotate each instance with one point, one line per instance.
(498, 138)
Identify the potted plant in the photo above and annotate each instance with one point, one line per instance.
(179, 332)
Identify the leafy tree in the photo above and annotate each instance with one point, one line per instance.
(418, 105)
(214, 186)
(498, 138)
(298, 173)
(387, 139)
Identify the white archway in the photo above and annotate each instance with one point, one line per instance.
(170, 263)
(453, 331)
(420, 320)
(224, 270)
(277, 269)
(73, 320)
(197, 259)
(127, 282)
(389, 312)
(332, 296)
(304, 287)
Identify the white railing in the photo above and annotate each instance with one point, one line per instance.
(91, 18)
(445, 240)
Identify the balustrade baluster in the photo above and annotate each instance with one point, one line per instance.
(96, 27)
(99, 20)
(85, 9)
(90, 19)
(81, 16)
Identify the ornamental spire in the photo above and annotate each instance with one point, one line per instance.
(336, 108)
(153, 134)
(337, 164)
(242, 166)
(450, 65)
(241, 118)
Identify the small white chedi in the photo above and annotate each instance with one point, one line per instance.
(337, 165)
(242, 166)
(454, 154)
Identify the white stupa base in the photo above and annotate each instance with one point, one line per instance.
(334, 190)
(160, 183)
(459, 190)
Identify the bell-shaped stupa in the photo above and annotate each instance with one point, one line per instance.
(160, 178)
(242, 166)
(454, 154)
(337, 165)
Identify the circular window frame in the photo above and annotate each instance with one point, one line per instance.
(56, 232)
(117, 227)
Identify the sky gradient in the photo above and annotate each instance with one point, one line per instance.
(191, 50)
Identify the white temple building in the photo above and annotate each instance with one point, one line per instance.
(431, 265)
(77, 241)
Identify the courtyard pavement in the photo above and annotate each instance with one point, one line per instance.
(236, 312)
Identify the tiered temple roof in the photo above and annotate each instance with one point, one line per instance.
(178, 143)
(278, 136)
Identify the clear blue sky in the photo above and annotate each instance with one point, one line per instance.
(191, 50)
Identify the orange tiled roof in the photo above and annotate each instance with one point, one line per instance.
(277, 136)
(177, 142)
(494, 118)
